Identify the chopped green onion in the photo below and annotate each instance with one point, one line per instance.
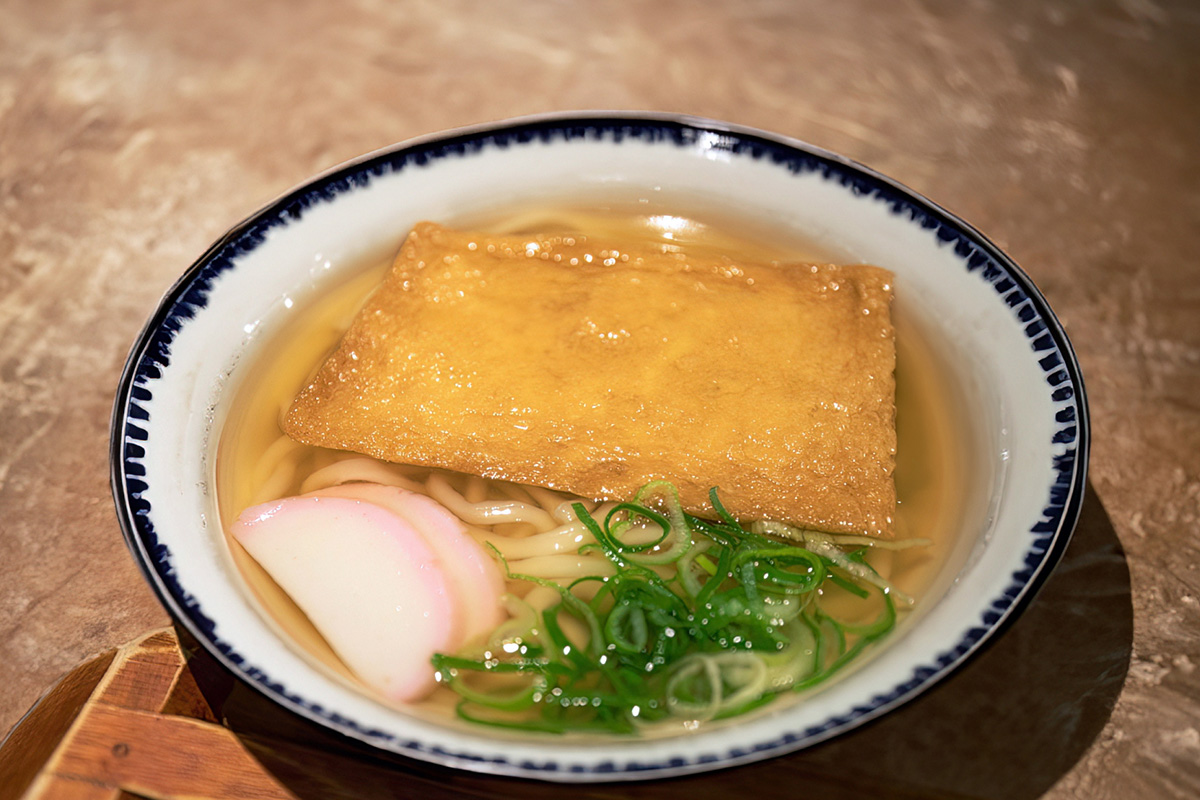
(738, 621)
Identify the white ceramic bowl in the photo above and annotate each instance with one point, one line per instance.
(1010, 358)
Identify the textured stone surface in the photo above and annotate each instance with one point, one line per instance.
(133, 134)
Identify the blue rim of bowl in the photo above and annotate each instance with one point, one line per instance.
(151, 353)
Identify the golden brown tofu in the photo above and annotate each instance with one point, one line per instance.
(593, 368)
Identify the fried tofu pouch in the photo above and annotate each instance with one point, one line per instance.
(593, 367)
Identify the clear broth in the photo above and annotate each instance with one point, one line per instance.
(932, 433)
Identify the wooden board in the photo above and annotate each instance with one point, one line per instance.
(129, 723)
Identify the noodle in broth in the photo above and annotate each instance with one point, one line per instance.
(536, 530)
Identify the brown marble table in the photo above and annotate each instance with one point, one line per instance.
(133, 134)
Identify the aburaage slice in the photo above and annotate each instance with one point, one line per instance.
(594, 367)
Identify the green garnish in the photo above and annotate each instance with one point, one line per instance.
(702, 620)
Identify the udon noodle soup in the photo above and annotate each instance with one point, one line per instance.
(548, 544)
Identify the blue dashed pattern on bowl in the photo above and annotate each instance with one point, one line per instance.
(1047, 540)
